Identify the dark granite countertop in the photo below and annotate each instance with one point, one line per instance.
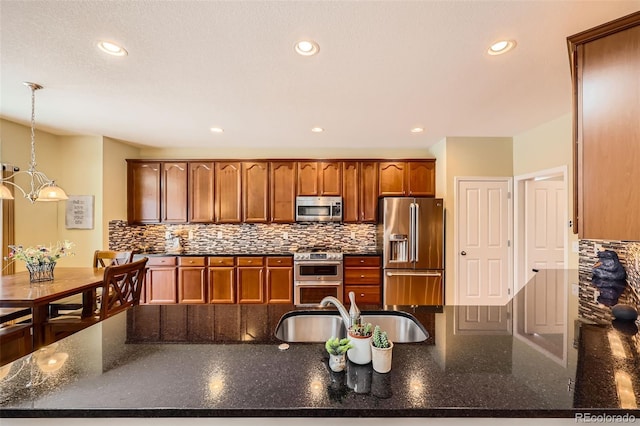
(480, 362)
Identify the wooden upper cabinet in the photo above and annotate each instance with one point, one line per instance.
(255, 192)
(174, 192)
(392, 178)
(228, 206)
(359, 191)
(351, 191)
(368, 191)
(416, 178)
(143, 192)
(307, 178)
(201, 192)
(282, 185)
(605, 70)
(320, 178)
(422, 178)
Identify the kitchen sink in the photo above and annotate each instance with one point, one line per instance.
(318, 326)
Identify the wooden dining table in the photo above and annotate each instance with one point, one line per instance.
(16, 291)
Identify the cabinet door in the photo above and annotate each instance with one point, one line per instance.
(351, 191)
(222, 284)
(174, 192)
(192, 285)
(279, 279)
(422, 178)
(227, 194)
(160, 286)
(143, 192)
(365, 295)
(392, 179)
(250, 282)
(330, 178)
(283, 191)
(368, 191)
(307, 178)
(201, 192)
(255, 192)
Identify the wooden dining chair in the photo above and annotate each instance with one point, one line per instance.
(101, 259)
(121, 289)
(104, 258)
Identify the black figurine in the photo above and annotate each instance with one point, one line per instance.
(609, 267)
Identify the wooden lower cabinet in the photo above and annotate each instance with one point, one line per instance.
(280, 279)
(250, 280)
(362, 275)
(218, 280)
(221, 280)
(192, 280)
(161, 281)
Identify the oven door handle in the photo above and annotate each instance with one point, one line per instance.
(318, 283)
(320, 263)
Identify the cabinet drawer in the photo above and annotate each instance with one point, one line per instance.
(250, 261)
(280, 261)
(362, 276)
(162, 261)
(191, 261)
(362, 261)
(221, 261)
(364, 294)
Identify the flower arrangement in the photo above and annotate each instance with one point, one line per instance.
(40, 254)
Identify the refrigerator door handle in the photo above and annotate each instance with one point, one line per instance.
(416, 231)
(412, 230)
(413, 274)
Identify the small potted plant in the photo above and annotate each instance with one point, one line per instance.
(360, 335)
(337, 349)
(381, 350)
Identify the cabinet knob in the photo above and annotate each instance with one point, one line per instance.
(279, 261)
(361, 260)
(219, 261)
(250, 261)
(191, 261)
(361, 294)
(361, 276)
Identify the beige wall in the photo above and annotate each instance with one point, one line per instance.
(81, 165)
(548, 146)
(466, 157)
(34, 223)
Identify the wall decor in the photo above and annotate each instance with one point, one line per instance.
(79, 212)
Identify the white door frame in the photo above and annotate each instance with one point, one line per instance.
(456, 249)
(519, 194)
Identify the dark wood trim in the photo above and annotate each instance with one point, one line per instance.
(604, 30)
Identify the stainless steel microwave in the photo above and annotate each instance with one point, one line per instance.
(318, 209)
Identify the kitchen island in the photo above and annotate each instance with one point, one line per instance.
(480, 362)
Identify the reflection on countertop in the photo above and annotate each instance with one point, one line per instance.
(518, 360)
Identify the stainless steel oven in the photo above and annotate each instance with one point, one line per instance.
(317, 273)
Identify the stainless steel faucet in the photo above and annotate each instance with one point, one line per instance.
(348, 318)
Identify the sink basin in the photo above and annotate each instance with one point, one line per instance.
(318, 326)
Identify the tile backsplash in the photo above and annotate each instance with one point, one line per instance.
(242, 238)
(629, 255)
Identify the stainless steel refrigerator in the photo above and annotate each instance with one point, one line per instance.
(412, 233)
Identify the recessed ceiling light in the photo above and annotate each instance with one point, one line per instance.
(500, 47)
(307, 47)
(417, 130)
(112, 48)
(217, 130)
(317, 129)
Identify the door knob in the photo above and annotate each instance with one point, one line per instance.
(464, 253)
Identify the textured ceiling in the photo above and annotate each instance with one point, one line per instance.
(383, 68)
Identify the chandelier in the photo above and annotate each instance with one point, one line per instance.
(39, 187)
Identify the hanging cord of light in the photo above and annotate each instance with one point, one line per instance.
(41, 187)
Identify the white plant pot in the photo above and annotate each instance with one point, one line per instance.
(381, 358)
(360, 353)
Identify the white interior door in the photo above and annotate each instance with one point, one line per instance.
(545, 215)
(483, 241)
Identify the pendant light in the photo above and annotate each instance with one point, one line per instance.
(39, 186)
